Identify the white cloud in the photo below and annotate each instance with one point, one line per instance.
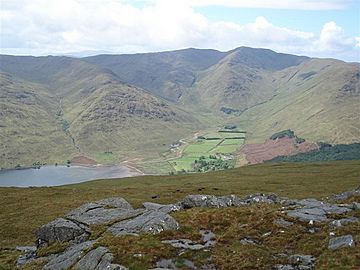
(333, 38)
(278, 4)
(49, 26)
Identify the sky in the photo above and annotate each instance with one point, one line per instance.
(317, 28)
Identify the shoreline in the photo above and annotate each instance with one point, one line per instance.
(132, 169)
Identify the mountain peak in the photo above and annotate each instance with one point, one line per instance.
(264, 58)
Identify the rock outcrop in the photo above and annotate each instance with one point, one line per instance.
(341, 242)
(152, 221)
(317, 211)
(120, 218)
(61, 230)
(103, 211)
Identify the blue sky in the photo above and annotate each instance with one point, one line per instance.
(318, 28)
(305, 20)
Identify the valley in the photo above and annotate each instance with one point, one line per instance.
(218, 145)
(114, 108)
(179, 135)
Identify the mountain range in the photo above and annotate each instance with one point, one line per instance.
(53, 108)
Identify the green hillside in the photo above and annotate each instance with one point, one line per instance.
(28, 122)
(136, 105)
(320, 107)
(165, 74)
(81, 109)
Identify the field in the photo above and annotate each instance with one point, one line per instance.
(22, 211)
(227, 143)
(224, 135)
(201, 147)
(225, 149)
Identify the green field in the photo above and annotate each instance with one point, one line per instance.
(201, 147)
(225, 149)
(226, 145)
(183, 163)
(23, 210)
(192, 152)
(233, 142)
(223, 135)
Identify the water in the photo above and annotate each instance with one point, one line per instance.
(60, 175)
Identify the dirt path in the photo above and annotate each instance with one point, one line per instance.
(131, 164)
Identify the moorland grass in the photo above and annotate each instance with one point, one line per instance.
(23, 210)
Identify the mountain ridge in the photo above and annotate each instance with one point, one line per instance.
(137, 104)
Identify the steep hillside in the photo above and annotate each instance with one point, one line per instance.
(28, 122)
(318, 99)
(231, 84)
(91, 109)
(165, 74)
(112, 107)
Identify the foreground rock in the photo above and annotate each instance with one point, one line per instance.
(345, 195)
(28, 256)
(68, 258)
(298, 262)
(341, 242)
(207, 241)
(316, 211)
(61, 230)
(167, 208)
(212, 201)
(103, 211)
(120, 218)
(152, 222)
(343, 221)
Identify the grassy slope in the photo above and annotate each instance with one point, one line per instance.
(231, 83)
(28, 120)
(318, 99)
(102, 114)
(165, 74)
(322, 107)
(22, 211)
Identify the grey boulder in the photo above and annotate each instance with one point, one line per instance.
(328, 208)
(345, 195)
(92, 259)
(212, 201)
(60, 230)
(208, 240)
(103, 211)
(232, 200)
(166, 208)
(303, 262)
(151, 222)
(308, 214)
(25, 258)
(184, 244)
(284, 267)
(341, 242)
(343, 221)
(356, 205)
(262, 198)
(283, 223)
(69, 257)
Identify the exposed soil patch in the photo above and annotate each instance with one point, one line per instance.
(260, 152)
(82, 160)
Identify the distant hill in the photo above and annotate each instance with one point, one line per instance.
(68, 107)
(134, 105)
(165, 74)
